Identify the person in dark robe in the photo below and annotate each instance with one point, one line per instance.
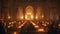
(52, 29)
(1, 28)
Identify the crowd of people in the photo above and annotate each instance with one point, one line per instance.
(52, 29)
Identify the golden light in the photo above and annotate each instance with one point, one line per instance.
(36, 26)
(10, 23)
(13, 22)
(9, 17)
(29, 9)
(15, 33)
(29, 17)
(29, 13)
(38, 13)
(20, 13)
(19, 26)
(33, 23)
(22, 25)
(9, 26)
(44, 24)
(42, 16)
(32, 17)
(36, 17)
(58, 24)
(21, 17)
(41, 30)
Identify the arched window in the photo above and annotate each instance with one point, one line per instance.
(29, 12)
(20, 13)
(38, 13)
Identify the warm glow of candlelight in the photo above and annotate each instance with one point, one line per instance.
(41, 30)
(9, 17)
(15, 33)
